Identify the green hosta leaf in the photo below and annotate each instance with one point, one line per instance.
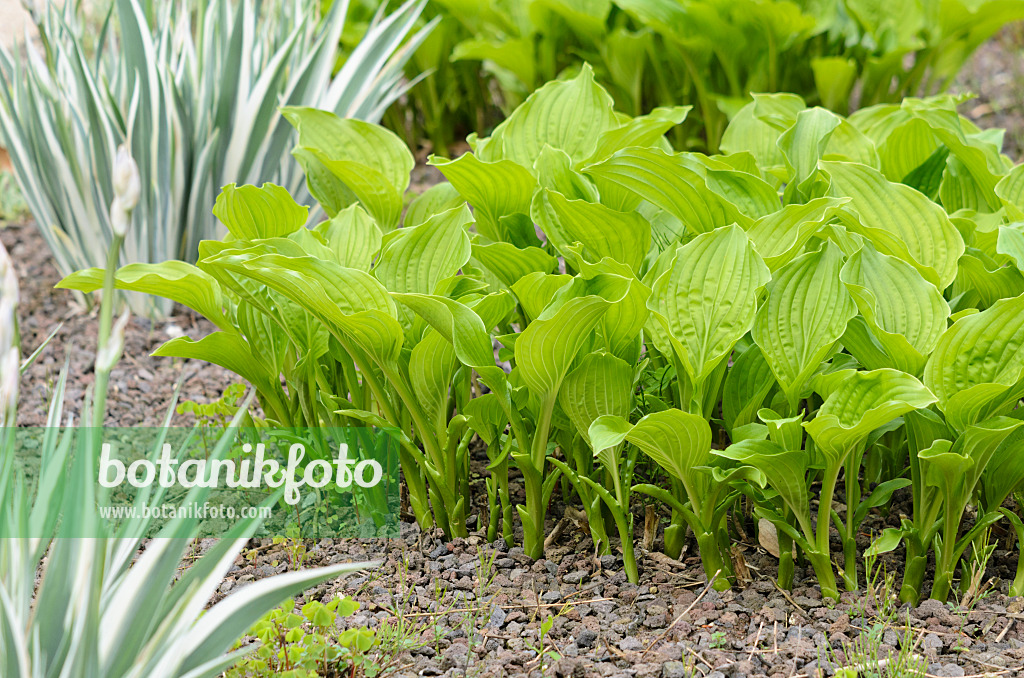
(984, 277)
(416, 259)
(1010, 242)
(175, 280)
(1004, 472)
(345, 157)
(805, 315)
(677, 441)
(567, 115)
(353, 237)
(834, 77)
(753, 196)
(436, 199)
(1010, 190)
(780, 236)
(603, 232)
(786, 471)
(803, 145)
(667, 182)
(495, 190)
(601, 385)
(746, 386)
(554, 171)
(906, 325)
(432, 366)
(861, 403)
(546, 348)
(535, 290)
(978, 364)
(252, 213)
(624, 320)
(898, 220)
(645, 130)
(226, 349)
(486, 417)
(510, 264)
(709, 298)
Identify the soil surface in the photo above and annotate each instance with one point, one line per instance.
(995, 74)
(141, 386)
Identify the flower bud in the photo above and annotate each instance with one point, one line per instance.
(108, 355)
(120, 218)
(126, 179)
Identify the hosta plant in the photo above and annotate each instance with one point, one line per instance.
(194, 91)
(707, 53)
(612, 318)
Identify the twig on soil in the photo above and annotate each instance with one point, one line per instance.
(1002, 633)
(757, 639)
(556, 533)
(792, 602)
(701, 660)
(696, 600)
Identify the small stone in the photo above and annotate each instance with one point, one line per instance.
(498, 616)
(630, 644)
(441, 550)
(646, 670)
(586, 639)
(946, 670)
(674, 670)
(576, 577)
(551, 597)
(932, 642)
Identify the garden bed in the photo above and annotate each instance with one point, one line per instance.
(473, 608)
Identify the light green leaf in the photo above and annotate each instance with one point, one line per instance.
(906, 325)
(510, 263)
(353, 237)
(643, 131)
(601, 385)
(746, 386)
(622, 236)
(495, 189)
(861, 403)
(416, 259)
(780, 236)
(805, 315)
(803, 145)
(898, 220)
(568, 115)
(709, 298)
(436, 199)
(978, 363)
(175, 280)
(668, 182)
(546, 348)
(252, 213)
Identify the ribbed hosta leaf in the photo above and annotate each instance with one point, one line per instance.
(568, 115)
(708, 299)
(667, 182)
(805, 315)
(251, 212)
(546, 348)
(416, 259)
(780, 236)
(677, 441)
(898, 220)
(495, 190)
(906, 325)
(601, 385)
(978, 364)
(510, 263)
(353, 237)
(861, 403)
(603, 232)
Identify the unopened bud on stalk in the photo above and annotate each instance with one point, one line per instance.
(126, 179)
(126, 191)
(110, 353)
